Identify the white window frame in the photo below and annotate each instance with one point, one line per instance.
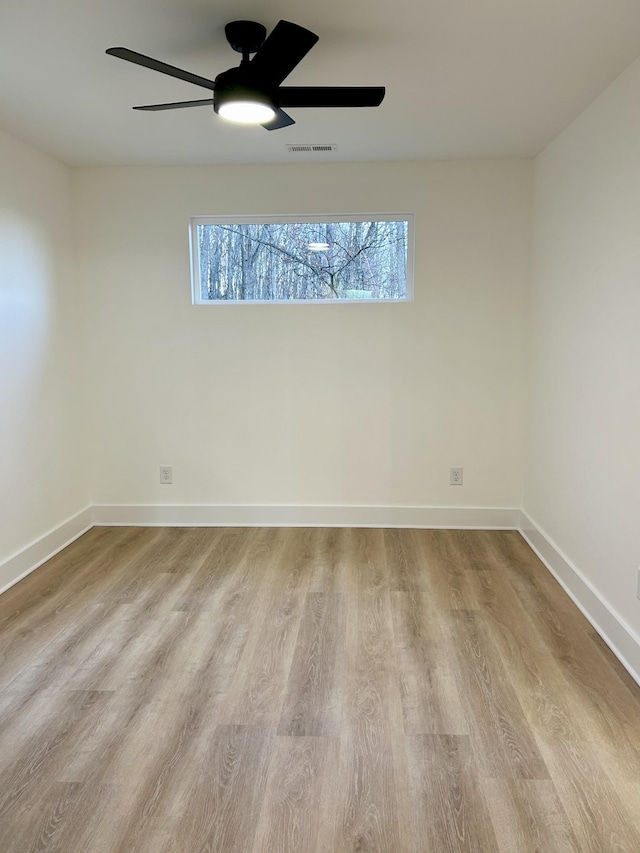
(300, 218)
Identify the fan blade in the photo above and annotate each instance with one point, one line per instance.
(177, 106)
(162, 67)
(330, 96)
(281, 120)
(281, 51)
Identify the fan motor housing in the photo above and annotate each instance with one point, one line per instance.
(236, 84)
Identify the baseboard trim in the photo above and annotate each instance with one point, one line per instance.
(617, 634)
(25, 561)
(484, 518)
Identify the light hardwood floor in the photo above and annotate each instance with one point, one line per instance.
(289, 690)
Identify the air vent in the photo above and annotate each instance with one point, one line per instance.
(311, 148)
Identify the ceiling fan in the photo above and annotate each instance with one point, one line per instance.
(251, 93)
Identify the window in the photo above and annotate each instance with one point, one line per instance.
(301, 259)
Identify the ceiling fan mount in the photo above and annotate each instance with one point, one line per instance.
(252, 92)
(245, 37)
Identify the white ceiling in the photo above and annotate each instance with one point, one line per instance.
(464, 78)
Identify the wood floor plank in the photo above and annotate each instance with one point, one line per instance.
(258, 692)
(220, 561)
(368, 817)
(547, 661)
(572, 754)
(302, 773)
(29, 628)
(43, 757)
(502, 739)
(527, 816)
(40, 829)
(171, 549)
(95, 643)
(536, 587)
(403, 560)
(562, 724)
(431, 701)
(473, 550)
(452, 813)
(629, 795)
(335, 690)
(35, 593)
(314, 695)
(613, 716)
(150, 783)
(372, 645)
(598, 817)
(426, 660)
(228, 787)
(446, 575)
(614, 663)
(373, 798)
(136, 770)
(331, 569)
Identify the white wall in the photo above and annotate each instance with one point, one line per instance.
(43, 478)
(328, 404)
(583, 453)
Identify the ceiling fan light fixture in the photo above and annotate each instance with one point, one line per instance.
(246, 112)
(245, 105)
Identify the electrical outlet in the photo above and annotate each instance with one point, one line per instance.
(455, 476)
(166, 475)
